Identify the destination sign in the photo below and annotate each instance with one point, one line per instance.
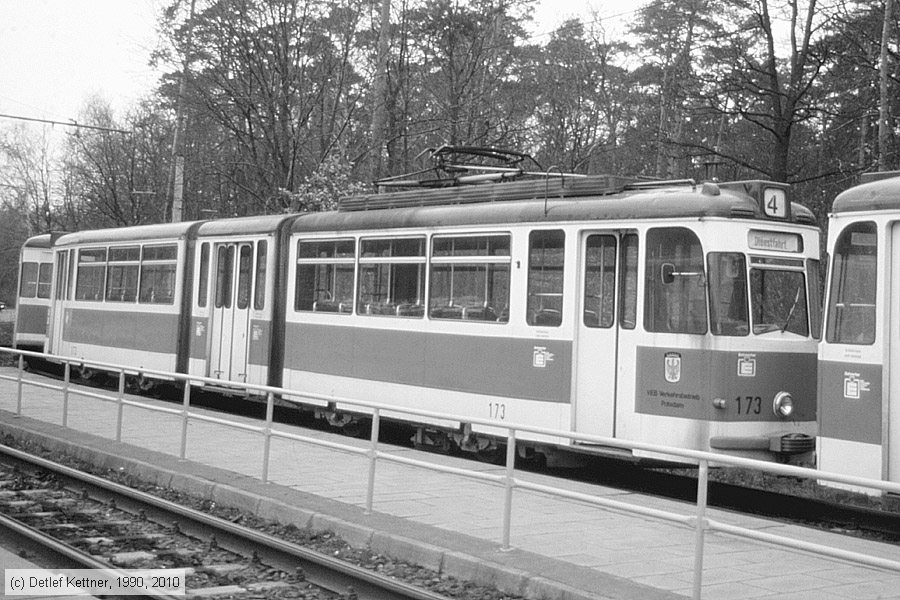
(776, 241)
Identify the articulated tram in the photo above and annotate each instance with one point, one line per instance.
(671, 313)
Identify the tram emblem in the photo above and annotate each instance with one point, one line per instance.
(746, 365)
(673, 367)
(541, 357)
(854, 386)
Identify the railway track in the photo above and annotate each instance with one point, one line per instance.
(77, 520)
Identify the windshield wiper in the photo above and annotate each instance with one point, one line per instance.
(793, 308)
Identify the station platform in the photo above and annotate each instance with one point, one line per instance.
(561, 549)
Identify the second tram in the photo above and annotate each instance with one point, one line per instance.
(859, 361)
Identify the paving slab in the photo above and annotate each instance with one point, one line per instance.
(560, 548)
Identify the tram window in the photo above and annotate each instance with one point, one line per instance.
(122, 274)
(599, 281)
(91, 274)
(546, 260)
(851, 303)
(70, 279)
(778, 299)
(158, 267)
(675, 294)
(815, 296)
(203, 284)
(45, 277)
(62, 259)
(259, 296)
(629, 282)
(392, 277)
(325, 270)
(728, 293)
(470, 278)
(35, 282)
(245, 281)
(29, 282)
(224, 275)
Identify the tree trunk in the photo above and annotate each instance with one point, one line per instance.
(883, 115)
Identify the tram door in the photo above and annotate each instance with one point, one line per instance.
(230, 316)
(64, 281)
(597, 328)
(892, 435)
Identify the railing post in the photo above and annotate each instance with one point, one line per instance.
(121, 405)
(67, 377)
(509, 485)
(19, 373)
(186, 404)
(702, 486)
(270, 415)
(373, 456)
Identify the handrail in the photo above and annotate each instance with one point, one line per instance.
(508, 480)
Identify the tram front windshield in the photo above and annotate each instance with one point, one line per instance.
(769, 300)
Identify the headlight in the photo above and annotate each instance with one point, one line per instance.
(783, 405)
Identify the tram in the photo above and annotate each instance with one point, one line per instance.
(859, 366)
(33, 294)
(672, 313)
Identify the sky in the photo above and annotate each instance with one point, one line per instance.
(56, 54)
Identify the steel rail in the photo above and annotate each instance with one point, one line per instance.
(63, 555)
(324, 571)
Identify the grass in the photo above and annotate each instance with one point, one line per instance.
(6, 334)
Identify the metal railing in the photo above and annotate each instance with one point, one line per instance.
(698, 521)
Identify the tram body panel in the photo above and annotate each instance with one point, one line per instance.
(121, 336)
(499, 367)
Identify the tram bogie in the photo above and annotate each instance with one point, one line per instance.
(666, 313)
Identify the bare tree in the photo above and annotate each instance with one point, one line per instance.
(27, 177)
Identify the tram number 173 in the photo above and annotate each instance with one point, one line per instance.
(749, 404)
(497, 410)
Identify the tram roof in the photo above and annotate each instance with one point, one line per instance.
(677, 201)
(43, 240)
(260, 224)
(136, 233)
(880, 193)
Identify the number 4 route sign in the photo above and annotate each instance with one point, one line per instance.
(775, 203)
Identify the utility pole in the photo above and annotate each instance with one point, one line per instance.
(175, 208)
(883, 115)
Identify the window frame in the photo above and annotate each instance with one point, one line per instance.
(542, 288)
(445, 266)
(838, 284)
(335, 263)
(386, 264)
